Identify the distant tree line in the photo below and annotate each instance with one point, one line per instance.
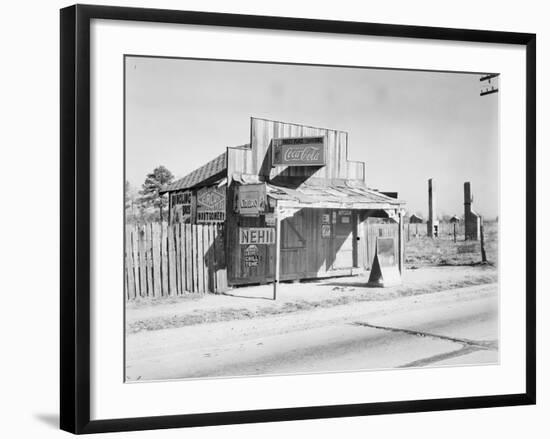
(147, 204)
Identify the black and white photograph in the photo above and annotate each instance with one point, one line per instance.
(286, 219)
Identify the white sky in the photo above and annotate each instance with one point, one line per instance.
(407, 126)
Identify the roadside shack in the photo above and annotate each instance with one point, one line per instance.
(290, 204)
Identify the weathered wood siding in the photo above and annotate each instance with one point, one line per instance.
(262, 132)
(304, 252)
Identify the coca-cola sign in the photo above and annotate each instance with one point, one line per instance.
(299, 151)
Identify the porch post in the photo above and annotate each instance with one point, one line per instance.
(277, 251)
(400, 239)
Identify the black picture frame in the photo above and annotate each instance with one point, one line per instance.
(75, 217)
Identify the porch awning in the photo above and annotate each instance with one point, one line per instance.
(344, 195)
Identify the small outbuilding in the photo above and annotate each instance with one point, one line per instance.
(416, 219)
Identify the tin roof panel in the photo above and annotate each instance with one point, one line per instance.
(211, 169)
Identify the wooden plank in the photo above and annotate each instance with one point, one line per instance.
(222, 284)
(184, 258)
(164, 259)
(148, 234)
(196, 272)
(200, 258)
(171, 261)
(205, 257)
(211, 259)
(141, 258)
(126, 276)
(205, 246)
(157, 281)
(188, 259)
(135, 259)
(183, 262)
(177, 253)
(127, 264)
(215, 267)
(151, 260)
(131, 285)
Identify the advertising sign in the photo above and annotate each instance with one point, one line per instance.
(251, 199)
(386, 251)
(256, 235)
(251, 256)
(270, 219)
(299, 151)
(384, 271)
(211, 205)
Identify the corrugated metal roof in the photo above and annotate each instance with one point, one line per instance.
(348, 194)
(211, 169)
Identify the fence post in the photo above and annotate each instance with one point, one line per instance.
(454, 232)
(482, 242)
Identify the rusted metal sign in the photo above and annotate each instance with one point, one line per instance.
(299, 151)
(256, 235)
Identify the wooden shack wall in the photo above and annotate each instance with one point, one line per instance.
(315, 259)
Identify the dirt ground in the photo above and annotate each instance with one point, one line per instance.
(256, 301)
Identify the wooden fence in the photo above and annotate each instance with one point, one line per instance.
(163, 260)
(446, 230)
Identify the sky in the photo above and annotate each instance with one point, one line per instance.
(407, 126)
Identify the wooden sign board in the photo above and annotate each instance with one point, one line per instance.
(256, 235)
(299, 151)
(385, 249)
(211, 205)
(251, 199)
(384, 271)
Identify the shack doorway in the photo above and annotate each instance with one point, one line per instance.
(293, 248)
(342, 242)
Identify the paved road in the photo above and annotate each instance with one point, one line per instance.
(447, 328)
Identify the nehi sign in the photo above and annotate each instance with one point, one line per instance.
(299, 151)
(256, 235)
